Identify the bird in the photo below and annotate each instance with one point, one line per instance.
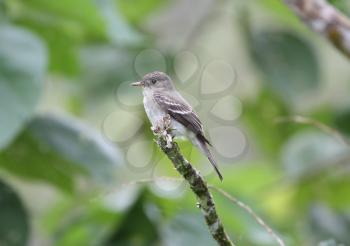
(161, 99)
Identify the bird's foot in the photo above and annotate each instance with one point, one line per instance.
(167, 122)
(155, 129)
(163, 129)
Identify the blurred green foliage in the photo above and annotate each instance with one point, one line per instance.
(14, 229)
(23, 65)
(64, 182)
(288, 62)
(342, 5)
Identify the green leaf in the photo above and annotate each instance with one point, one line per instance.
(80, 222)
(330, 242)
(119, 31)
(79, 15)
(63, 47)
(287, 62)
(260, 118)
(29, 159)
(55, 149)
(342, 121)
(322, 187)
(103, 68)
(308, 151)
(67, 26)
(143, 233)
(14, 225)
(326, 223)
(187, 229)
(342, 5)
(22, 67)
(282, 11)
(77, 143)
(2, 11)
(137, 10)
(64, 25)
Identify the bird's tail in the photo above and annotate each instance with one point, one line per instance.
(204, 148)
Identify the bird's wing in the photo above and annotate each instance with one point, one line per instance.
(178, 109)
(182, 112)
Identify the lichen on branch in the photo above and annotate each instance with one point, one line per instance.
(194, 179)
(323, 18)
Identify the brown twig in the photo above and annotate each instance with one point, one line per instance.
(251, 212)
(323, 18)
(308, 121)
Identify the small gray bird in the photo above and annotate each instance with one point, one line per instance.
(160, 98)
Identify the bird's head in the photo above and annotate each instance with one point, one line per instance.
(155, 80)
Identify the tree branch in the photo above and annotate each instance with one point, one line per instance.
(196, 182)
(323, 18)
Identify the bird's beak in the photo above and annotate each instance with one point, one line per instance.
(138, 83)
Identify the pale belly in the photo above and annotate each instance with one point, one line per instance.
(155, 114)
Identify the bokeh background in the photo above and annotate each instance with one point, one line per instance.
(78, 165)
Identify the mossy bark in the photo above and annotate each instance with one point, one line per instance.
(199, 188)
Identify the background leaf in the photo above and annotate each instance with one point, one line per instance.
(342, 5)
(119, 31)
(306, 152)
(260, 117)
(342, 121)
(146, 233)
(14, 224)
(138, 10)
(78, 143)
(29, 159)
(55, 149)
(187, 229)
(64, 25)
(328, 224)
(288, 63)
(22, 68)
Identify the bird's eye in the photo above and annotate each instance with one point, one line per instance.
(153, 81)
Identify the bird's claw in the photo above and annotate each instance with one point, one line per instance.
(163, 129)
(156, 129)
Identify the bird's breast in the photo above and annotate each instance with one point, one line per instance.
(154, 113)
